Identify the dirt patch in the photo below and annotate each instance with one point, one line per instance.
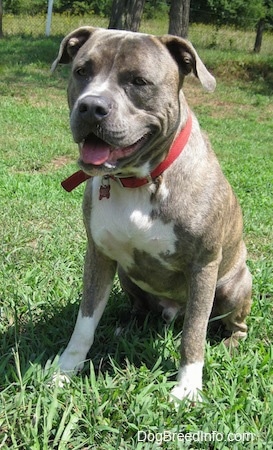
(59, 162)
(52, 166)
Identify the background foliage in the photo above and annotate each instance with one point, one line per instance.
(240, 13)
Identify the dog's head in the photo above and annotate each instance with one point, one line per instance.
(125, 96)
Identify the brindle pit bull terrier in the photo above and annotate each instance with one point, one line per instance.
(157, 206)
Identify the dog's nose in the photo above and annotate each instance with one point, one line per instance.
(93, 108)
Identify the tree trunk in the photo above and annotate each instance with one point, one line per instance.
(1, 19)
(179, 18)
(259, 36)
(116, 19)
(126, 14)
(134, 14)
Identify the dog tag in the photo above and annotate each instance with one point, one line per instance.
(105, 189)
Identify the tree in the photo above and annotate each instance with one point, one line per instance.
(179, 17)
(116, 19)
(259, 36)
(242, 14)
(265, 20)
(126, 14)
(1, 19)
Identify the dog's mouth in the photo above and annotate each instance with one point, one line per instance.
(94, 151)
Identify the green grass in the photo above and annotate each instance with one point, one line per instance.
(42, 243)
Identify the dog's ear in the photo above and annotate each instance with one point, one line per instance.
(71, 44)
(188, 60)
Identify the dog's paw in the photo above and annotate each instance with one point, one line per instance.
(179, 393)
(69, 363)
(54, 374)
(189, 384)
(60, 379)
(60, 370)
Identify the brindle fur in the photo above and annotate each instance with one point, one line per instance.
(190, 211)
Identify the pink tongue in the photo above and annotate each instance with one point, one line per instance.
(95, 151)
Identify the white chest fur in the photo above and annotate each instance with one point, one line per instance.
(123, 223)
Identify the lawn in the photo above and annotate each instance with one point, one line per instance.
(120, 400)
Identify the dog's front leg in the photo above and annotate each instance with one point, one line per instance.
(99, 272)
(202, 284)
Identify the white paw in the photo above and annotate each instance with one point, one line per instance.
(62, 368)
(56, 377)
(189, 383)
(71, 362)
(60, 379)
(181, 393)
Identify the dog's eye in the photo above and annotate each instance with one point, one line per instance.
(139, 81)
(82, 71)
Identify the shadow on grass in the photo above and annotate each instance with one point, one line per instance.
(28, 60)
(121, 336)
(26, 50)
(253, 74)
(24, 53)
(261, 73)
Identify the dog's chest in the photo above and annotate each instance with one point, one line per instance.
(123, 225)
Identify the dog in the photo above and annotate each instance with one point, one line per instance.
(157, 207)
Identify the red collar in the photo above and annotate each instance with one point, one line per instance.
(133, 182)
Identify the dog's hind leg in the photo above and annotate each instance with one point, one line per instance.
(142, 302)
(233, 303)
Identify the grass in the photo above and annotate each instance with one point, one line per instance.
(125, 389)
